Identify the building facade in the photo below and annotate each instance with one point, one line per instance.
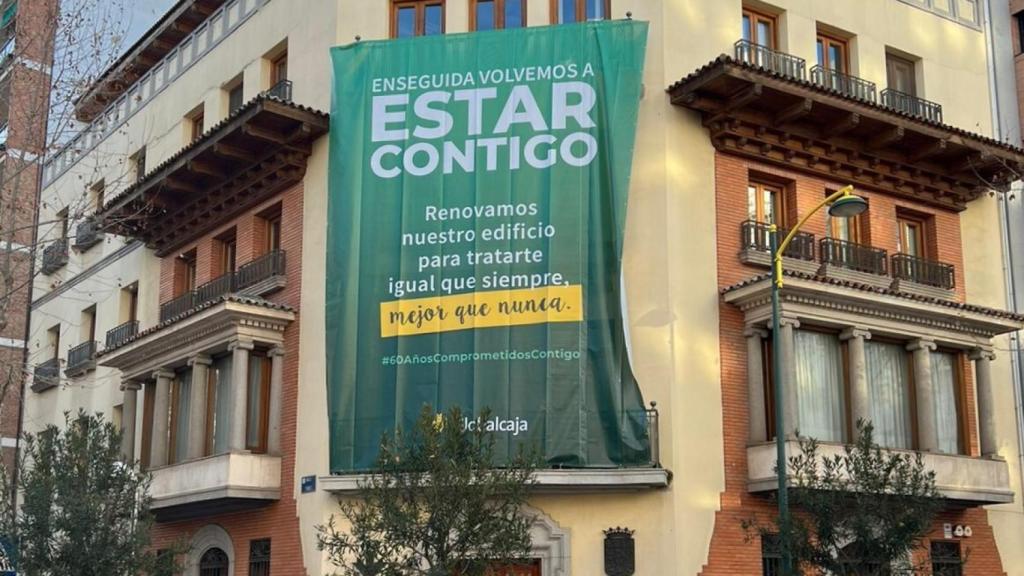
(196, 321)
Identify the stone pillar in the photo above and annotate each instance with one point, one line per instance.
(274, 408)
(986, 402)
(790, 400)
(128, 419)
(240, 350)
(756, 403)
(197, 405)
(161, 418)
(860, 406)
(927, 428)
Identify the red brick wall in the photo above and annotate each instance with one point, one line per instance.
(278, 521)
(731, 553)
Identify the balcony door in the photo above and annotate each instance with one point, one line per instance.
(912, 236)
(900, 74)
(833, 54)
(765, 203)
(530, 569)
(759, 28)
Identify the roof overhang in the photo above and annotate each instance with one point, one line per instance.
(258, 151)
(753, 112)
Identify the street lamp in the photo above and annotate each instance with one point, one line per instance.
(841, 204)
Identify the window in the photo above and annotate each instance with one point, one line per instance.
(497, 14)
(218, 405)
(568, 11)
(765, 203)
(279, 69)
(129, 304)
(235, 97)
(963, 11)
(185, 273)
(214, 562)
(117, 417)
(257, 403)
(416, 18)
(138, 161)
(820, 385)
(851, 229)
(62, 222)
(889, 393)
(89, 324)
(946, 392)
(259, 557)
(913, 238)
(771, 556)
(148, 403)
(946, 560)
(833, 54)
(96, 193)
(197, 125)
(228, 252)
(1018, 19)
(900, 74)
(274, 233)
(759, 28)
(181, 390)
(53, 341)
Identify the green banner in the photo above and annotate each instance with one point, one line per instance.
(478, 187)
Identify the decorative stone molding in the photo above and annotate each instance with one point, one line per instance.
(209, 536)
(549, 542)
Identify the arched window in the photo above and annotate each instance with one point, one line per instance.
(214, 562)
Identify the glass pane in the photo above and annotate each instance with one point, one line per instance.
(254, 403)
(595, 10)
(841, 229)
(181, 415)
(835, 58)
(888, 393)
(768, 197)
(433, 20)
(819, 384)
(910, 240)
(943, 6)
(513, 13)
(406, 21)
(821, 53)
(485, 15)
(222, 404)
(746, 27)
(764, 33)
(566, 11)
(967, 10)
(944, 391)
(752, 202)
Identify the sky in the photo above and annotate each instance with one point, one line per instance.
(142, 14)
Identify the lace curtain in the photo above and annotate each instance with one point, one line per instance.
(819, 384)
(944, 392)
(888, 393)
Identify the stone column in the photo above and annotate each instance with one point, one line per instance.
(276, 385)
(927, 428)
(756, 403)
(860, 405)
(128, 418)
(986, 402)
(161, 418)
(790, 400)
(240, 350)
(197, 405)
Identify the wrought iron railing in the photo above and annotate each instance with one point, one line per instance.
(653, 431)
(922, 271)
(912, 105)
(267, 266)
(55, 256)
(215, 288)
(757, 236)
(82, 356)
(88, 233)
(177, 306)
(852, 256)
(120, 334)
(46, 374)
(282, 91)
(773, 60)
(845, 84)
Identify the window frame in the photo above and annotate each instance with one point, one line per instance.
(960, 397)
(420, 21)
(235, 102)
(259, 564)
(827, 40)
(947, 562)
(227, 252)
(778, 203)
(187, 274)
(581, 11)
(197, 125)
(892, 62)
(139, 163)
(276, 64)
(923, 235)
(264, 408)
(499, 14)
(1018, 18)
(756, 16)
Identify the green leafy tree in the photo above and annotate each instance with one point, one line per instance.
(861, 512)
(84, 511)
(435, 505)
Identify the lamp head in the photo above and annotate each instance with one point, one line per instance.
(847, 206)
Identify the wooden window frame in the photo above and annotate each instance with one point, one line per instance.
(420, 22)
(264, 408)
(227, 252)
(53, 335)
(62, 218)
(148, 407)
(499, 13)
(279, 61)
(826, 40)
(90, 312)
(187, 273)
(273, 223)
(133, 301)
(211, 410)
(889, 56)
(139, 163)
(581, 11)
(197, 125)
(923, 224)
(756, 16)
(98, 191)
(779, 205)
(232, 89)
(172, 420)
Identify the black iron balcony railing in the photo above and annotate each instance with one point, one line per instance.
(46, 375)
(773, 60)
(177, 306)
(282, 91)
(120, 334)
(756, 236)
(88, 233)
(845, 84)
(215, 288)
(922, 271)
(859, 257)
(267, 266)
(912, 105)
(55, 256)
(82, 357)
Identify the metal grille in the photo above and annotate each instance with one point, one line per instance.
(259, 557)
(213, 563)
(946, 559)
(771, 556)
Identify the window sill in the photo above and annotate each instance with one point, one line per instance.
(551, 481)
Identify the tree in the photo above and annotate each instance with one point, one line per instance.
(861, 512)
(84, 511)
(435, 505)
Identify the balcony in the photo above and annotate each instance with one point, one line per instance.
(912, 105)
(966, 480)
(213, 289)
(88, 234)
(214, 485)
(81, 359)
(854, 262)
(119, 335)
(55, 256)
(46, 375)
(771, 60)
(922, 276)
(845, 84)
(178, 306)
(282, 91)
(755, 239)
